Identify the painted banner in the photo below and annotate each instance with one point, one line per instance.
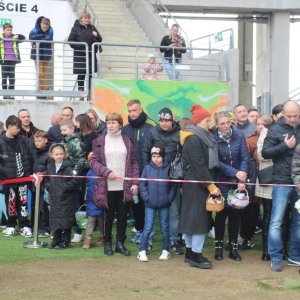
(113, 95)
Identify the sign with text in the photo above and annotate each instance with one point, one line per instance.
(22, 7)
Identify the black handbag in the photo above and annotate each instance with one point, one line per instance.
(265, 176)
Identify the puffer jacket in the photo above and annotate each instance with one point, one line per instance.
(45, 49)
(8, 158)
(101, 129)
(157, 194)
(276, 149)
(98, 165)
(233, 157)
(170, 140)
(61, 190)
(91, 208)
(40, 159)
(30, 133)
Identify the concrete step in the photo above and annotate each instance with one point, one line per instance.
(107, 38)
(120, 32)
(118, 24)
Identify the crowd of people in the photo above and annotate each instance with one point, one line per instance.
(218, 151)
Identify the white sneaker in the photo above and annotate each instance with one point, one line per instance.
(212, 233)
(165, 255)
(4, 231)
(77, 238)
(142, 256)
(133, 230)
(26, 231)
(10, 231)
(240, 240)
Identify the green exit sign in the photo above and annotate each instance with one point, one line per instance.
(3, 21)
(218, 37)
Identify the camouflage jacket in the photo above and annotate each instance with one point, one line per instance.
(76, 151)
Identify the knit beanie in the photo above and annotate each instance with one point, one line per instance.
(165, 114)
(199, 113)
(158, 149)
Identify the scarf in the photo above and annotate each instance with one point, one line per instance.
(138, 121)
(225, 136)
(212, 145)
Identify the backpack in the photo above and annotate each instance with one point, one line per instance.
(176, 170)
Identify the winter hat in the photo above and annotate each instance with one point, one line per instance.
(165, 114)
(158, 149)
(151, 55)
(199, 113)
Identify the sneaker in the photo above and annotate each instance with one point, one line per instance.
(130, 223)
(247, 244)
(293, 263)
(9, 231)
(136, 238)
(77, 238)
(11, 98)
(4, 231)
(165, 255)
(142, 256)
(26, 231)
(63, 245)
(258, 229)
(133, 230)
(176, 247)
(276, 266)
(45, 234)
(149, 249)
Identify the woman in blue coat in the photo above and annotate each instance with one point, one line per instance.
(233, 167)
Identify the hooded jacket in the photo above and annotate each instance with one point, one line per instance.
(80, 33)
(45, 49)
(157, 194)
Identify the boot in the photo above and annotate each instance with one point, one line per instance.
(198, 261)
(218, 249)
(81, 90)
(120, 248)
(100, 241)
(265, 255)
(187, 257)
(108, 248)
(233, 253)
(87, 243)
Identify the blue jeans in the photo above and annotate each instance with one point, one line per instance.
(174, 217)
(150, 214)
(169, 69)
(281, 196)
(195, 242)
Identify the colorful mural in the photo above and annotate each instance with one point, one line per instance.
(179, 96)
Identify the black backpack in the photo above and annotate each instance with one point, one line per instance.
(176, 170)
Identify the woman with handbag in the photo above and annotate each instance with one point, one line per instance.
(233, 168)
(200, 157)
(83, 31)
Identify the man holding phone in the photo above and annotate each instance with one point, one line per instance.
(279, 145)
(175, 43)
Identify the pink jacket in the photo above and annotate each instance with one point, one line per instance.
(151, 70)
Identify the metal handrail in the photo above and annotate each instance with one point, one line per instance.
(84, 5)
(159, 7)
(209, 36)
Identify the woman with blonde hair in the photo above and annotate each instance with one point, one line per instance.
(100, 125)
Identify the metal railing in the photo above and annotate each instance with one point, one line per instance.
(84, 5)
(294, 95)
(222, 40)
(160, 8)
(34, 79)
(120, 61)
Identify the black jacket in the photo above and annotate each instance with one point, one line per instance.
(88, 142)
(80, 33)
(54, 134)
(30, 133)
(40, 159)
(170, 139)
(61, 190)
(276, 149)
(8, 159)
(168, 40)
(101, 128)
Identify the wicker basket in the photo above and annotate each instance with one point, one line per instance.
(214, 207)
(244, 202)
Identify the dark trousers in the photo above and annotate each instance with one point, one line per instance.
(233, 223)
(249, 216)
(80, 81)
(8, 73)
(44, 211)
(61, 235)
(139, 214)
(117, 207)
(16, 202)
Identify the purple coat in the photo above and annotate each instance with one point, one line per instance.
(98, 165)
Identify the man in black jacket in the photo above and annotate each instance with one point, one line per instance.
(279, 145)
(15, 162)
(166, 133)
(27, 129)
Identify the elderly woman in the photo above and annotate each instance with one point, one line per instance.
(83, 31)
(100, 125)
(233, 167)
(114, 158)
(200, 157)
